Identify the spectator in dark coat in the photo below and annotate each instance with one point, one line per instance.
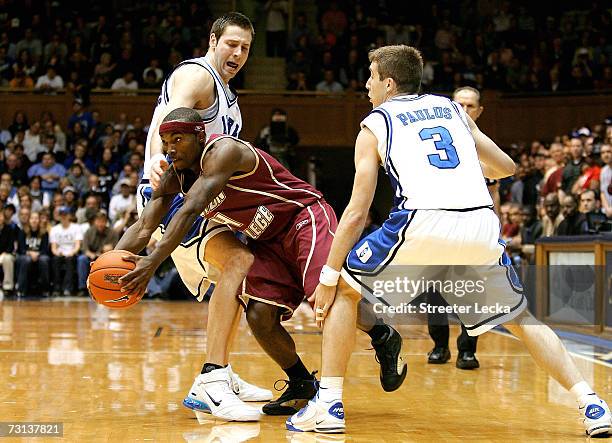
(33, 255)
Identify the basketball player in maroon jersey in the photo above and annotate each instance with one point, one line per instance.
(291, 230)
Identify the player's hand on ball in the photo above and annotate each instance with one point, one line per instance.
(158, 167)
(137, 280)
(324, 298)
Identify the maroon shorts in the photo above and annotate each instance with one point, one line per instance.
(287, 269)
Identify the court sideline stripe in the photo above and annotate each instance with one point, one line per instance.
(358, 353)
(574, 354)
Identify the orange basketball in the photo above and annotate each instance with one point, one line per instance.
(104, 275)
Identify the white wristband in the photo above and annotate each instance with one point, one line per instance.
(329, 276)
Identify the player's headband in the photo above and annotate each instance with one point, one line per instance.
(184, 127)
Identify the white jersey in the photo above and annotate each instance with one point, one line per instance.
(222, 117)
(429, 153)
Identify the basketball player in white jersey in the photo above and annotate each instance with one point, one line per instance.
(202, 84)
(435, 157)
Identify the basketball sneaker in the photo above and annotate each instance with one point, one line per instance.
(318, 416)
(392, 368)
(247, 391)
(244, 390)
(295, 397)
(212, 392)
(595, 415)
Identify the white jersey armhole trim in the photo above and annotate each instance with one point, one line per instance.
(380, 111)
(461, 113)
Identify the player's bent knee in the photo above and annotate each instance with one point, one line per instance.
(240, 261)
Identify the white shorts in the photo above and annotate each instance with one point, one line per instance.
(442, 249)
(188, 257)
(143, 195)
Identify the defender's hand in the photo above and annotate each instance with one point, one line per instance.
(324, 299)
(158, 167)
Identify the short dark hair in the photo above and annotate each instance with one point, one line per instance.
(403, 64)
(183, 115)
(231, 19)
(586, 191)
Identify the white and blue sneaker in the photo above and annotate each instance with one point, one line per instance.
(318, 416)
(244, 390)
(212, 393)
(595, 415)
(247, 391)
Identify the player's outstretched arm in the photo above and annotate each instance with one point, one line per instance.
(138, 235)
(496, 163)
(192, 87)
(354, 217)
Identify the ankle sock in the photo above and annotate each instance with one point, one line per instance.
(209, 367)
(581, 390)
(330, 389)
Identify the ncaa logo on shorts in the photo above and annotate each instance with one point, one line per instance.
(364, 252)
(301, 224)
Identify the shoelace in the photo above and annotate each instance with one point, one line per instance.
(288, 382)
(390, 358)
(234, 380)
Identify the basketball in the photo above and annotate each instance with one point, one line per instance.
(104, 285)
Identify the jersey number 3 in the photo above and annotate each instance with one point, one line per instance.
(445, 143)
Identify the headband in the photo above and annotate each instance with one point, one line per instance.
(184, 127)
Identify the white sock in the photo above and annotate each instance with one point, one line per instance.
(580, 390)
(330, 389)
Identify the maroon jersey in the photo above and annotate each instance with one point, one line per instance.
(261, 203)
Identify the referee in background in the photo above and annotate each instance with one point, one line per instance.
(469, 98)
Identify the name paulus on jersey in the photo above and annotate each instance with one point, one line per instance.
(420, 115)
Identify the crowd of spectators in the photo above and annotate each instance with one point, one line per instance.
(67, 193)
(561, 188)
(501, 45)
(48, 46)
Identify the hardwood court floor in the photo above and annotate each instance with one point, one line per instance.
(121, 376)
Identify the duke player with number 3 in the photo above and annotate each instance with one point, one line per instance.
(202, 83)
(435, 157)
